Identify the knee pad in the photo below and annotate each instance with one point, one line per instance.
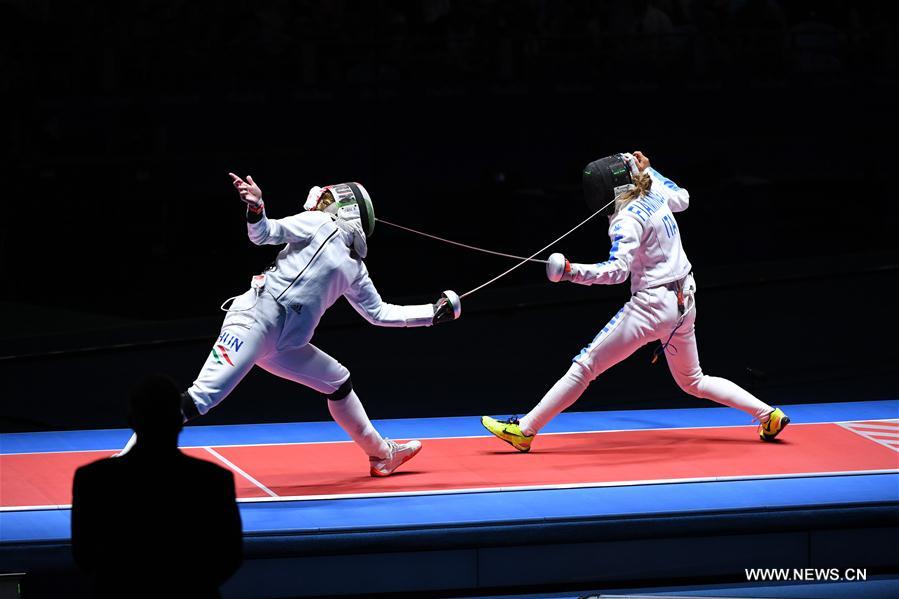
(342, 391)
(188, 407)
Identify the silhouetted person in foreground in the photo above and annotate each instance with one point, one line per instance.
(156, 522)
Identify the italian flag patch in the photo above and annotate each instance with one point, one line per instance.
(220, 353)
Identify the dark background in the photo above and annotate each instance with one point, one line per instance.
(121, 234)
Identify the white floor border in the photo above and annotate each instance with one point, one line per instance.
(486, 435)
(632, 483)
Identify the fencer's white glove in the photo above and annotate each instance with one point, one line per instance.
(631, 163)
(312, 198)
(558, 268)
(448, 307)
(642, 160)
(249, 192)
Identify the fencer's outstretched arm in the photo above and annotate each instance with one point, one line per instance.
(366, 300)
(625, 234)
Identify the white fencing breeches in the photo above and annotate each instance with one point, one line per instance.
(248, 337)
(650, 315)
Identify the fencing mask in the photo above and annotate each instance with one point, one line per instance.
(606, 178)
(346, 201)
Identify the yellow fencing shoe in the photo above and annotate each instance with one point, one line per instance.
(508, 431)
(777, 421)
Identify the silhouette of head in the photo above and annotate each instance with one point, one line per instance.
(156, 410)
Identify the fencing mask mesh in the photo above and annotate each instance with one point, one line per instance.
(350, 201)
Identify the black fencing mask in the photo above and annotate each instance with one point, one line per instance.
(606, 178)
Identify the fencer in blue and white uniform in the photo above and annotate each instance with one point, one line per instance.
(272, 323)
(647, 248)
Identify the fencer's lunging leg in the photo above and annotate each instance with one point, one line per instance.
(314, 368)
(559, 398)
(246, 336)
(233, 354)
(684, 366)
(627, 331)
(350, 415)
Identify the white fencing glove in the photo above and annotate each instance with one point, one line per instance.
(558, 268)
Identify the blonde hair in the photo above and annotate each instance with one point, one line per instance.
(642, 183)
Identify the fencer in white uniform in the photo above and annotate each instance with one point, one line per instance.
(646, 246)
(272, 323)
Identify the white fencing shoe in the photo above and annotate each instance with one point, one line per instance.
(400, 453)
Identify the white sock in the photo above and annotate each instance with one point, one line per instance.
(350, 415)
(562, 395)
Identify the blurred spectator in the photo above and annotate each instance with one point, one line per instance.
(155, 522)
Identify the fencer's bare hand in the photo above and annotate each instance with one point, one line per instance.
(248, 190)
(642, 160)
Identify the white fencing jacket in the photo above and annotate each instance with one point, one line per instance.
(316, 267)
(646, 243)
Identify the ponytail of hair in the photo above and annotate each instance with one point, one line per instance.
(642, 184)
